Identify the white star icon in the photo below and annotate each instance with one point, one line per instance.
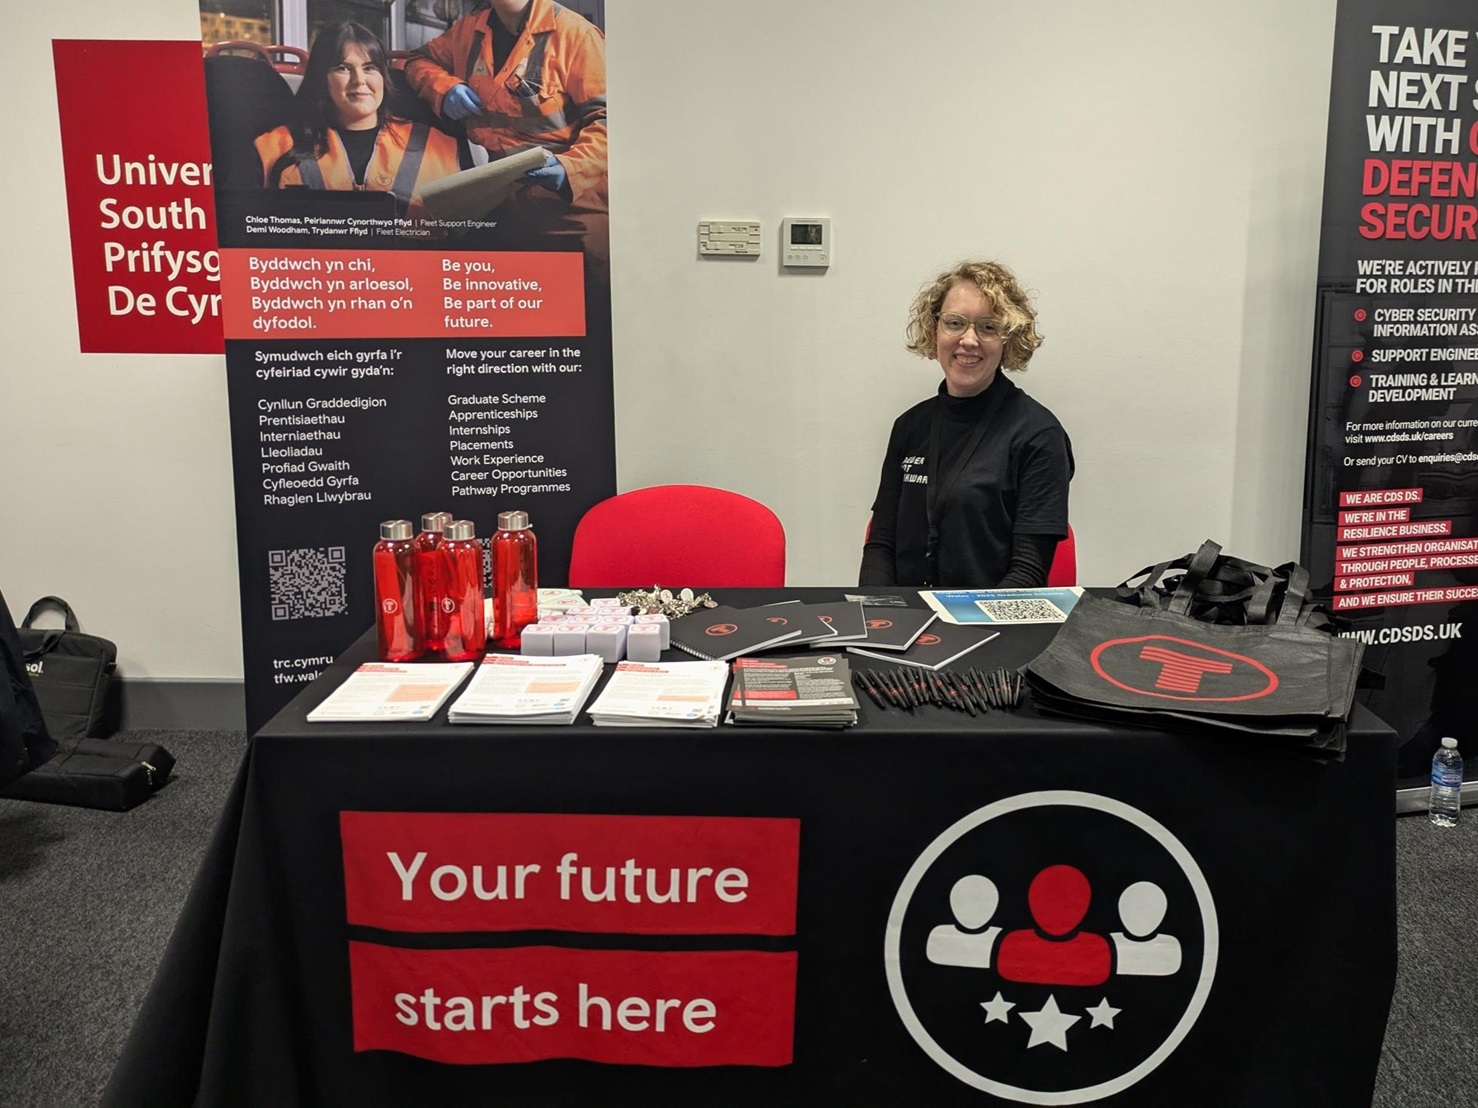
(1103, 1015)
(997, 1009)
(1049, 1025)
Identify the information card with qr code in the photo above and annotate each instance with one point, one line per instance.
(1003, 605)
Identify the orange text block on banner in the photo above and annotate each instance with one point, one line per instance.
(401, 294)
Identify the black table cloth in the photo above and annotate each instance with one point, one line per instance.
(926, 908)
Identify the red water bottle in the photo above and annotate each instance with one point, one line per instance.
(466, 633)
(395, 592)
(433, 582)
(515, 579)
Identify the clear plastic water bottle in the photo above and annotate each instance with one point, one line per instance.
(1447, 784)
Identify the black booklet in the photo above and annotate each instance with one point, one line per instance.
(722, 633)
(894, 628)
(935, 648)
(804, 618)
(845, 618)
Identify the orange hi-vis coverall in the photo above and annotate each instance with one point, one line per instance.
(407, 155)
(551, 91)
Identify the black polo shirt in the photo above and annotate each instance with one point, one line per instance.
(1015, 482)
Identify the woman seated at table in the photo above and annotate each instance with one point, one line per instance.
(346, 135)
(974, 484)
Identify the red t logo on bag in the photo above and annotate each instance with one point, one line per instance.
(1179, 669)
(1181, 672)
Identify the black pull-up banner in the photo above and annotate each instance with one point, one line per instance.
(1391, 487)
(416, 311)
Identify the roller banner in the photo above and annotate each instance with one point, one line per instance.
(1391, 489)
(416, 308)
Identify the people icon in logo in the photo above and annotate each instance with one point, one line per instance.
(1138, 950)
(1055, 953)
(967, 942)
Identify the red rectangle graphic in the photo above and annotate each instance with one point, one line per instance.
(140, 202)
(1363, 497)
(399, 294)
(658, 875)
(1374, 515)
(525, 1004)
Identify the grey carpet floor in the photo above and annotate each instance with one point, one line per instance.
(88, 900)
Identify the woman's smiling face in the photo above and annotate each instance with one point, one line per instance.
(356, 88)
(969, 361)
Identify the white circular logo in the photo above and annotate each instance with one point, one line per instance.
(1052, 947)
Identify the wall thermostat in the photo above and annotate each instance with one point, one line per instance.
(728, 236)
(805, 242)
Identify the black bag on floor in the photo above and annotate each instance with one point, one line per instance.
(1222, 645)
(96, 773)
(72, 674)
(24, 740)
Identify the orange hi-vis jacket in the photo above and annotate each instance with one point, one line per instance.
(551, 92)
(407, 155)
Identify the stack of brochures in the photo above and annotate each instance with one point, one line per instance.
(512, 688)
(662, 694)
(391, 691)
(814, 690)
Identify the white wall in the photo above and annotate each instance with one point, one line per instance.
(1152, 169)
(115, 470)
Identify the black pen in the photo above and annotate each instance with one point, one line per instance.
(936, 694)
(860, 681)
(962, 690)
(875, 689)
(909, 689)
(973, 693)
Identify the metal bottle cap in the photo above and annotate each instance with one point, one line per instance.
(513, 521)
(460, 529)
(395, 529)
(435, 521)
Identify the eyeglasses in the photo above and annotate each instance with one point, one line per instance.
(953, 326)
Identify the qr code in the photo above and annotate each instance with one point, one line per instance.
(308, 583)
(1021, 611)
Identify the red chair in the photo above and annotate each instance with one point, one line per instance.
(1064, 567)
(289, 59)
(678, 536)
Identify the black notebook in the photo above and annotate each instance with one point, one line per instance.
(845, 618)
(941, 644)
(722, 633)
(805, 618)
(894, 628)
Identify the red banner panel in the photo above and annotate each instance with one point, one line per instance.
(402, 294)
(653, 875)
(1350, 498)
(136, 158)
(525, 1004)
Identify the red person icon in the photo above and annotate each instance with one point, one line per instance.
(1053, 954)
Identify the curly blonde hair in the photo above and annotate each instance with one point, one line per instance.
(1009, 302)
